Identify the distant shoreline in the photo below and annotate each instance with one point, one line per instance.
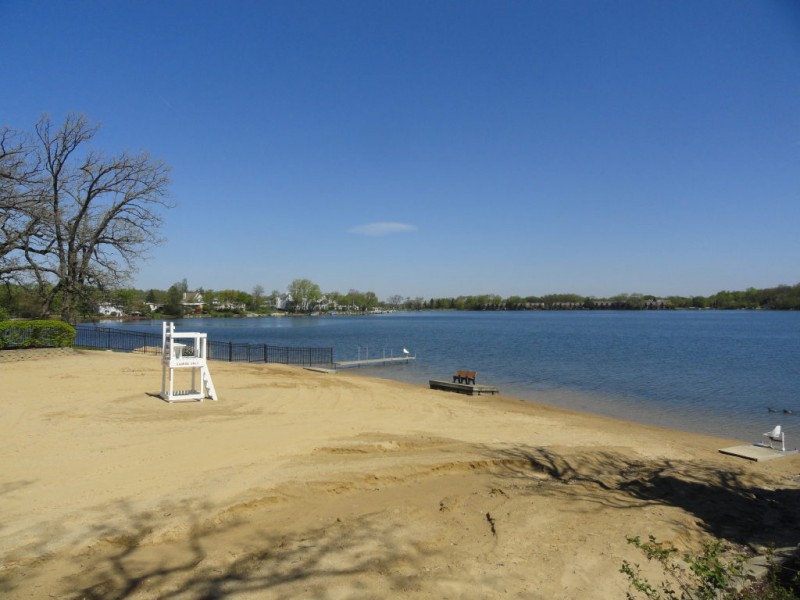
(100, 319)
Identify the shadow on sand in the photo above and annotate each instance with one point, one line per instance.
(378, 558)
(728, 508)
(306, 564)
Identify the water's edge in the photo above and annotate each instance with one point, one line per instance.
(709, 372)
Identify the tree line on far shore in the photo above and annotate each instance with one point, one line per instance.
(17, 301)
(782, 297)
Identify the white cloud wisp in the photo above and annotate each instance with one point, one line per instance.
(382, 228)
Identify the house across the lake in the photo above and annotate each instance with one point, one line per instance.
(107, 309)
(193, 302)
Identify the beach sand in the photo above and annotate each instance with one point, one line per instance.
(298, 484)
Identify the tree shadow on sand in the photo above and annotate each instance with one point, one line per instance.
(253, 552)
(725, 505)
(302, 564)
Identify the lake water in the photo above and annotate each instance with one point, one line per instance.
(705, 371)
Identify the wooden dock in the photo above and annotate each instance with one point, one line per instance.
(374, 362)
(757, 452)
(463, 388)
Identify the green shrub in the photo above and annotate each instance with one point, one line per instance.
(36, 334)
(3, 314)
(705, 576)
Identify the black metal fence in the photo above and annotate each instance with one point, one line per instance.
(117, 339)
(150, 343)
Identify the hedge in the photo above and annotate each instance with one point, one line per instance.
(36, 334)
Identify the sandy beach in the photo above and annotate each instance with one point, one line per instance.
(298, 484)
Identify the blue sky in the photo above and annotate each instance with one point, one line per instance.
(440, 148)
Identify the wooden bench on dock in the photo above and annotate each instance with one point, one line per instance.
(464, 377)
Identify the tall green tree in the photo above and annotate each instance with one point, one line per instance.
(305, 294)
(173, 305)
(370, 300)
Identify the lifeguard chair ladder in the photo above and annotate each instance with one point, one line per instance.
(172, 358)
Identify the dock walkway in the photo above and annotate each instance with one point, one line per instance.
(373, 362)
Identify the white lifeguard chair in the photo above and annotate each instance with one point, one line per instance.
(184, 351)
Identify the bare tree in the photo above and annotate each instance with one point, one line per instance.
(20, 212)
(395, 300)
(257, 296)
(96, 215)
